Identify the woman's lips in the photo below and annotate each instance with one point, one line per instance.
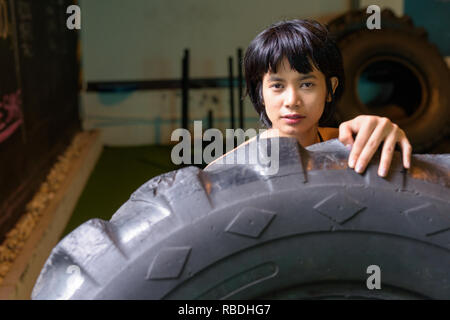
(292, 119)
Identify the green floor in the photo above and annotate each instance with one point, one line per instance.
(118, 173)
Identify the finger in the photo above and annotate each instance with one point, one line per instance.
(361, 139)
(406, 149)
(346, 134)
(370, 147)
(387, 153)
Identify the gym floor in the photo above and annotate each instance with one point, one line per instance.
(117, 174)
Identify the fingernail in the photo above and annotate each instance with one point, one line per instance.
(348, 146)
(359, 168)
(351, 163)
(382, 172)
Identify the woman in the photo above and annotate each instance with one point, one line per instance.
(294, 75)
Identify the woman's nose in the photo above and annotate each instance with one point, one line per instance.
(292, 97)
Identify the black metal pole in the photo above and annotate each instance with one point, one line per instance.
(241, 101)
(231, 86)
(210, 119)
(185, 91)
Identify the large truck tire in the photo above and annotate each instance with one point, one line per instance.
(313, 230)
(410, 75)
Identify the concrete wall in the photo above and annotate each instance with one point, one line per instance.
(144, 40)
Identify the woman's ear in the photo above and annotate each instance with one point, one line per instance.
(334, 84)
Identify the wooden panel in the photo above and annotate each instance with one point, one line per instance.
(40, 86)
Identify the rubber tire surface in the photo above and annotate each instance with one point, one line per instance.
(400, 40)
(235, 232)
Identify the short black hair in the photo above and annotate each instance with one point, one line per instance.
(303, 43)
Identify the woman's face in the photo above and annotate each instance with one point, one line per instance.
(300, 96)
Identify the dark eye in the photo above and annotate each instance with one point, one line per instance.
(307, 84)
(276, 85)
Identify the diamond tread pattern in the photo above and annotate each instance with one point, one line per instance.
(232, 231)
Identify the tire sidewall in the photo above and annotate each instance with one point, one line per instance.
(431, 118)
